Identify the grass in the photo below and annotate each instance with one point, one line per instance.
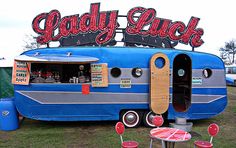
(39, 134)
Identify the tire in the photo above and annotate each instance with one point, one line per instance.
(147, 119)
(131, 118)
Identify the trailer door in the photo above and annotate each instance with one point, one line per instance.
(182, 82)
(159, 85)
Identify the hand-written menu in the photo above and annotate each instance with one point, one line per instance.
(21, 73)
(99, 75)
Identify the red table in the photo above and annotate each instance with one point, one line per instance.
(169, 136)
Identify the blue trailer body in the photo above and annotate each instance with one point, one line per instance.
(65, 101)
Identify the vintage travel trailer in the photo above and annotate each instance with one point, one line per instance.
(119, 84)
(230, 71)
(88, 78)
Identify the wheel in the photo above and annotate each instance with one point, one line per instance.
(131, 118)
(147, 118)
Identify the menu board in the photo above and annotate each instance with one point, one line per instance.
(99, 75)
(21, 73)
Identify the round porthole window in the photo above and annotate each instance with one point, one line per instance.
(207, 72)
(160, 62)
(137, 72)
(115, 72)
(181, 72)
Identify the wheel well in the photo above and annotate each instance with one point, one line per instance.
(142, 111)
(137, 110)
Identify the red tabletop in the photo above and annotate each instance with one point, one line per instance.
(170, 134)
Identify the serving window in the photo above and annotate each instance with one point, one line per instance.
(30, 72)
(60, 73)
(68, 68)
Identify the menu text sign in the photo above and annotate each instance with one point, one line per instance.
(99, 75)
(21, 73)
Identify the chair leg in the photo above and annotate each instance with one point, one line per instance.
(211, 139)
(151, 143)
(121, 139)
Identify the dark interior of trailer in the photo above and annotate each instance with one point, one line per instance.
(60, 73)
(182, 82)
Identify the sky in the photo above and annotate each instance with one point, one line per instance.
(217, 18)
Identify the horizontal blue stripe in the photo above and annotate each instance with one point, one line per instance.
(207, 91)
(113, 88)
(213, 91)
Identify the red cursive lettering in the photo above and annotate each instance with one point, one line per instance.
(73, 25)
(164, 28)
(141, 21)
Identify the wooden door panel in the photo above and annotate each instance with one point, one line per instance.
(159, 87)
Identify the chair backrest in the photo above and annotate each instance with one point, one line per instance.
(213, 129)
(157, 121)
(120, 128)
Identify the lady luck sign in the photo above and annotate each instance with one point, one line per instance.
(103, 25)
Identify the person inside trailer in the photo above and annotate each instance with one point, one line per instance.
(39, 79)
(83, 74)
(49, 78)
(81, 70)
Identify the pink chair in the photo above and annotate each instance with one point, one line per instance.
(157, 121)
(213, 130)
(120, 129)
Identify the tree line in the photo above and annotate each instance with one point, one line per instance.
(227, 53)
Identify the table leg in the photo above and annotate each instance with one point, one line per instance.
(151, 143)
(163, 144)
(169, 144)
(172, 144)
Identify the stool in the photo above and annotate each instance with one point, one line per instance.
(213, 130)
(120, 129)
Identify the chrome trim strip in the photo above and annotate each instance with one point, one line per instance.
(61, 97)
